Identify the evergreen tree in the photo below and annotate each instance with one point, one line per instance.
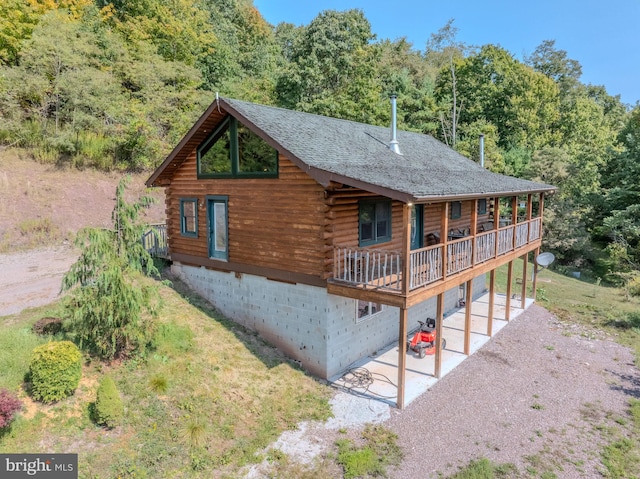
(109, 309)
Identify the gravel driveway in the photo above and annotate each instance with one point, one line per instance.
(32, 278)
(538, 395)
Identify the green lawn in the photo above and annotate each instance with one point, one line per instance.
(204, 402)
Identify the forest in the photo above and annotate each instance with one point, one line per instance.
(114, 85)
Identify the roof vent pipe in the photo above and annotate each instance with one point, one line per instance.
(482, 150)
(393, 144)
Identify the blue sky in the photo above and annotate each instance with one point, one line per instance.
(603, 36)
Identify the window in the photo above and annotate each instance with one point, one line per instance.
(189, 217)
(455, 210)
(482, 206)
(374, 222)
(218, 227)
(233, 150)
(366, 309)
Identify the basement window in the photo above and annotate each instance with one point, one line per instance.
(366, 309)
(189, 217)
(234, 151)
(374, 223)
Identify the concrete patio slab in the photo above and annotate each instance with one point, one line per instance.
(376, 376)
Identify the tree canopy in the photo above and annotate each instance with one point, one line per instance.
(115, 84)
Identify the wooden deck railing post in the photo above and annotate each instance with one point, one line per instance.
(514, 220)
(444, 238)
(474, 230)
(496, 224)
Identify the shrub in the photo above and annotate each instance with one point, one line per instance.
(108, 408)
(9, 406)
(55, 370)
(46, 326)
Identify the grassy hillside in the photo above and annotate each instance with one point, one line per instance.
(46, 204)
(204, 401)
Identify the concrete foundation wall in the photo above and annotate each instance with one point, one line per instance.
(305, 322)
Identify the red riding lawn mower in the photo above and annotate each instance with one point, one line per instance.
(424, 340)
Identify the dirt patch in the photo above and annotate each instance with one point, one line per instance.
(42, 207)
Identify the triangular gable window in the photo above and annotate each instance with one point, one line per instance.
(233, 151)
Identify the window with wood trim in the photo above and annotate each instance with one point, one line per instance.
(455, 210)
(366, 309)
(189, 217)
(234, 151)
(374, 223)
(482, 206)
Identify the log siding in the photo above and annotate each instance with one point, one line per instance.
(273, 223)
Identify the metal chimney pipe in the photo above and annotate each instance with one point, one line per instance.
(393, 144)
(482, 150)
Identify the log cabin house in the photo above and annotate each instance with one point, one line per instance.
(329, 239)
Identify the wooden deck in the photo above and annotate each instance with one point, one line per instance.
(365, 268)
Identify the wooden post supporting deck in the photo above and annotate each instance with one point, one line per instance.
(467, 317)
(507, 310)
(439, 320)
(536, 253)
(404, 313)
(523, 299)
(402, 356)
(492, 293)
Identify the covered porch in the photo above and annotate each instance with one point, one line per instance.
(376, 376)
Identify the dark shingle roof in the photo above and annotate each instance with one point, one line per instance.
(357, 154)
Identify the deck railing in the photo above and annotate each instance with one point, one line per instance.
(459, 254)
(505, 240)
(155, 240)
(485, 246)
(375, 268)
(535, 227)
(382, 269)
(426, 265)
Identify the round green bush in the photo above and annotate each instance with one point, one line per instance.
(55, 370)
(108, 408)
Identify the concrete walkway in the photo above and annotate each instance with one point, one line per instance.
(376, 376)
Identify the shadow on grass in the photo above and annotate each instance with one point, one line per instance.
(268, 354)
(630, 321)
